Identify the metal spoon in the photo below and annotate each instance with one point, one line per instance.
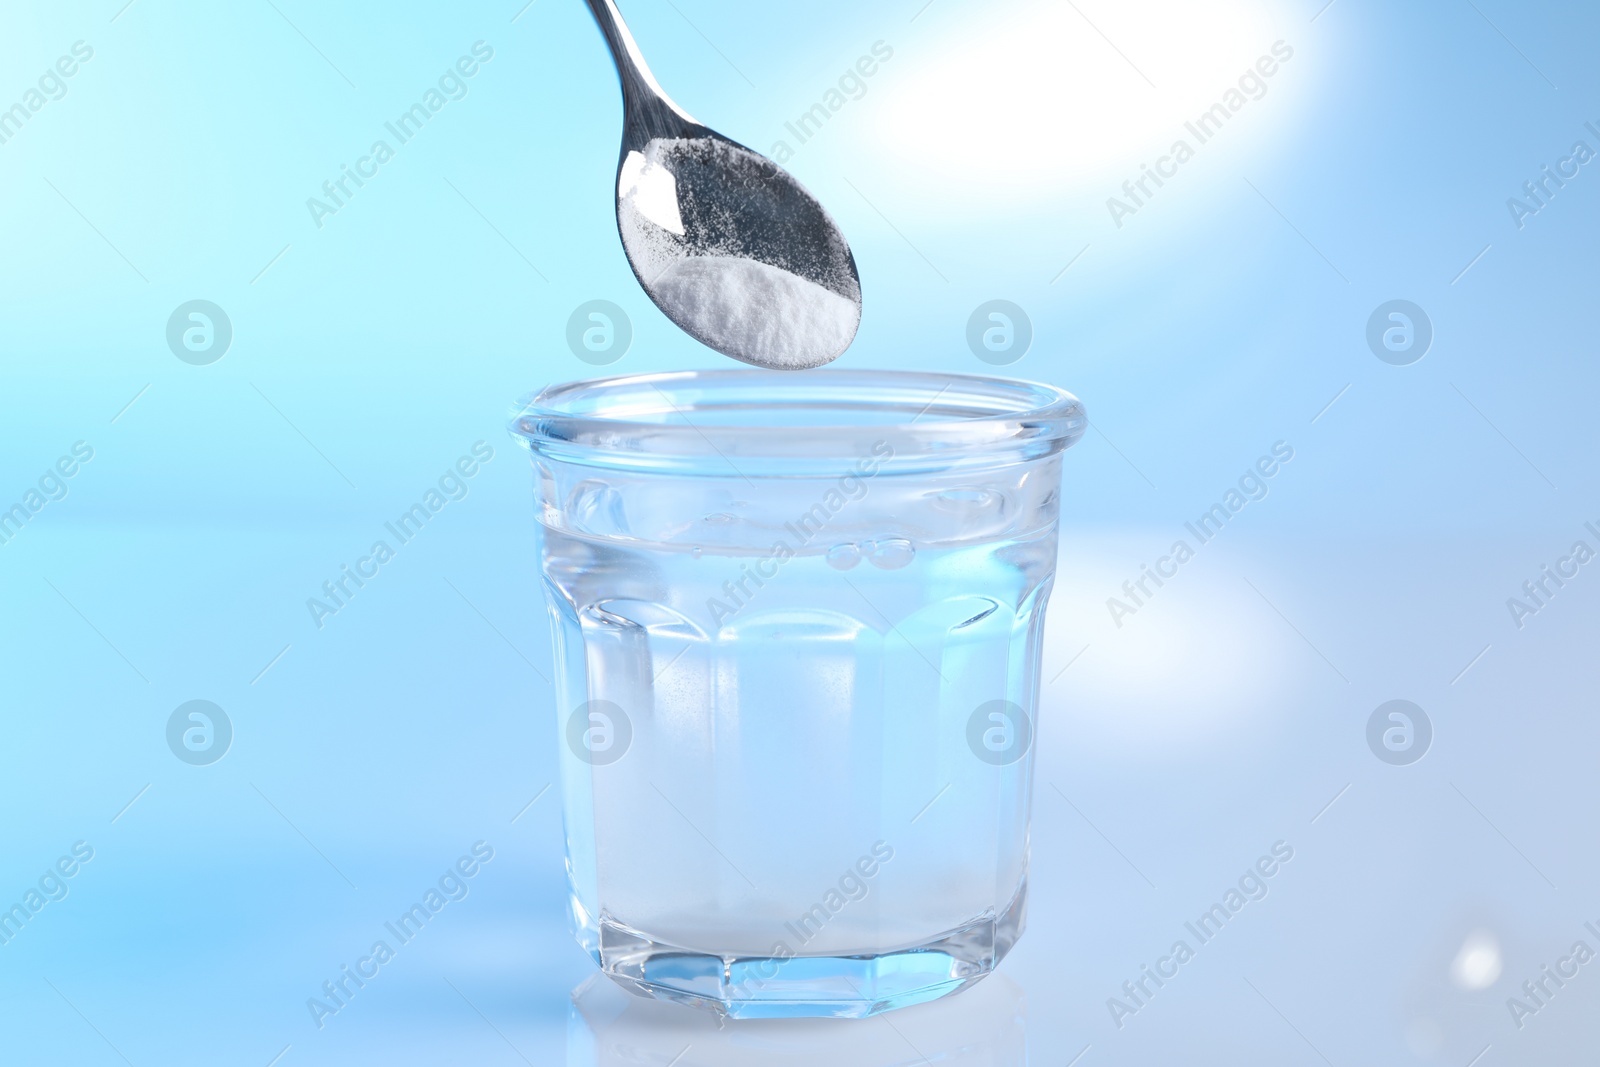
(725, 242)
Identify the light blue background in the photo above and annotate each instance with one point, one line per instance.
(370, 353)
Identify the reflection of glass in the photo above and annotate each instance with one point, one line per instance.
(986, 1027)
(797, 624)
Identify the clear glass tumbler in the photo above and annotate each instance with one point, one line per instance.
(797, 623)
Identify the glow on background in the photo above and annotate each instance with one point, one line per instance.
(1037, 99)
(370, 354)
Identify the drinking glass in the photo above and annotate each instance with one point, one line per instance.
(797, 622)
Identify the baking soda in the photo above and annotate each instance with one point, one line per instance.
(724, 295)
(757, 313)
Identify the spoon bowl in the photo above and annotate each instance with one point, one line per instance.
(724, 241)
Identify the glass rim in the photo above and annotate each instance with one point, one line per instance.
(650, 418)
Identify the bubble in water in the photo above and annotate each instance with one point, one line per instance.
(892, 554)
(843, 557)
(596, 506)
(696, 552)
(721, 518)
(967, 501)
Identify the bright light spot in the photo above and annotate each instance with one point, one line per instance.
(1478, 965)
(1030, 98)
(653, 190)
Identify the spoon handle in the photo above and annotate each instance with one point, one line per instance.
(650, 111)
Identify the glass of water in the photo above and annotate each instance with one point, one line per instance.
(797, 623)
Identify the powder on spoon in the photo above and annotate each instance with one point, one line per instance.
(684, 243)
(757, 313)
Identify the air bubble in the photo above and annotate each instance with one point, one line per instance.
(721, 518)
(843, 557)
(596, 506)
(892, 554)
(968, 501)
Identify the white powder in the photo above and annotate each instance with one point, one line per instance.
(757, 313)
(754, 311)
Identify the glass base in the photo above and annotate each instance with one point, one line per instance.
(843, 987)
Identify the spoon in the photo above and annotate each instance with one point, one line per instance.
(725, 242)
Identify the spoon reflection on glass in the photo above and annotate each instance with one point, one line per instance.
(725, 242)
